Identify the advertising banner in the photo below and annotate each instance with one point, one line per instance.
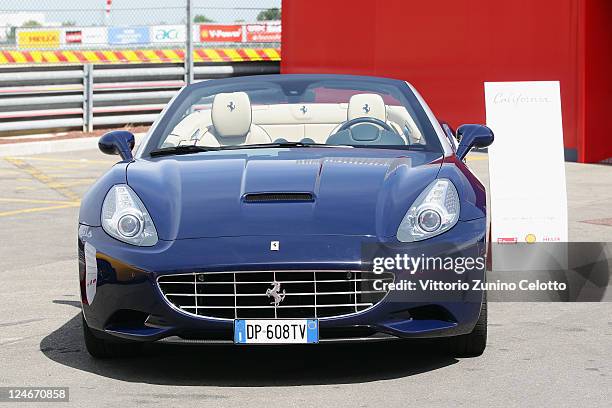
(267, 32)
(38, 38)
(168, 34)
(220, 33)
(93, 36)
(128, 35)
(526, 163)
(73, 37)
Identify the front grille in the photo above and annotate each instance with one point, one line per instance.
(247, 295)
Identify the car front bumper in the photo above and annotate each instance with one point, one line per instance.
(128, 303)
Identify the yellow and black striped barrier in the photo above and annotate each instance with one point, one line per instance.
(138, 56)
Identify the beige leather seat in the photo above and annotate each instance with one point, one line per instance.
(232, 122)
(367, 106)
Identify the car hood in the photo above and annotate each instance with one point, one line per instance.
(355, 191)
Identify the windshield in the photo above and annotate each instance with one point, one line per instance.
(294, 111)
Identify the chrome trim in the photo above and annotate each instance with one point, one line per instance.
(235, 297)
(288, 294)
(281, 307)
(180, 340)
(195, 292)
(259, 283)
(373, 338)
(369, 306)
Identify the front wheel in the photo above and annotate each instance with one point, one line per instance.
(474, 343)
(100, 348)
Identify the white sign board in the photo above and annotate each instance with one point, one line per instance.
(77, 37)
(94, 36)
(168, 34)
(526, 162)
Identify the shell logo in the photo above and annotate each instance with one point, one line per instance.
(530, 238)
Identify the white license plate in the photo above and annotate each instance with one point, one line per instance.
(281, 331)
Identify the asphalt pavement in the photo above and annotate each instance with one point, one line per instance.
(539, 354)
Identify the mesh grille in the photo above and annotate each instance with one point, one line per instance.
(243, 295)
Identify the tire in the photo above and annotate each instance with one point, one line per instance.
(474, 343)
(100, 348)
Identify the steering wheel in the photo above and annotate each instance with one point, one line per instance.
(366, 119)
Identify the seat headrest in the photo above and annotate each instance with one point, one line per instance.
(367, 105)
(231, 114)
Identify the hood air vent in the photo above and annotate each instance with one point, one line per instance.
(277, 197)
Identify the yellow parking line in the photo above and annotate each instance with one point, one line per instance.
(476, 158)
(36, 201)
(78, 182)
(49, 159)
(43, 178)
(60, 175)
(62, 167)
(38, 209)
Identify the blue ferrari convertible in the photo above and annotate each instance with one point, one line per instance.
(272, 210)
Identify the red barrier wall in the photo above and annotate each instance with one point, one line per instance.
(596, 135)
(448, 48)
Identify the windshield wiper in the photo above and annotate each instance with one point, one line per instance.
(182, 149)
(188, 149)
(279, 144)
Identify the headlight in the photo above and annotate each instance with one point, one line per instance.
(434, 211)
(125, 217)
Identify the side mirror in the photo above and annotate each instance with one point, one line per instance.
(119, 142)
(473, 136)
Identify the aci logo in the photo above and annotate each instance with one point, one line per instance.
(163, 34)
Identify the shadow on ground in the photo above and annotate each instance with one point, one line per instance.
(232, 366)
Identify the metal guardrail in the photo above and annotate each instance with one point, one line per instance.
(52, 98)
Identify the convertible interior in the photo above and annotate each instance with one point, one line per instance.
(232, 120)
